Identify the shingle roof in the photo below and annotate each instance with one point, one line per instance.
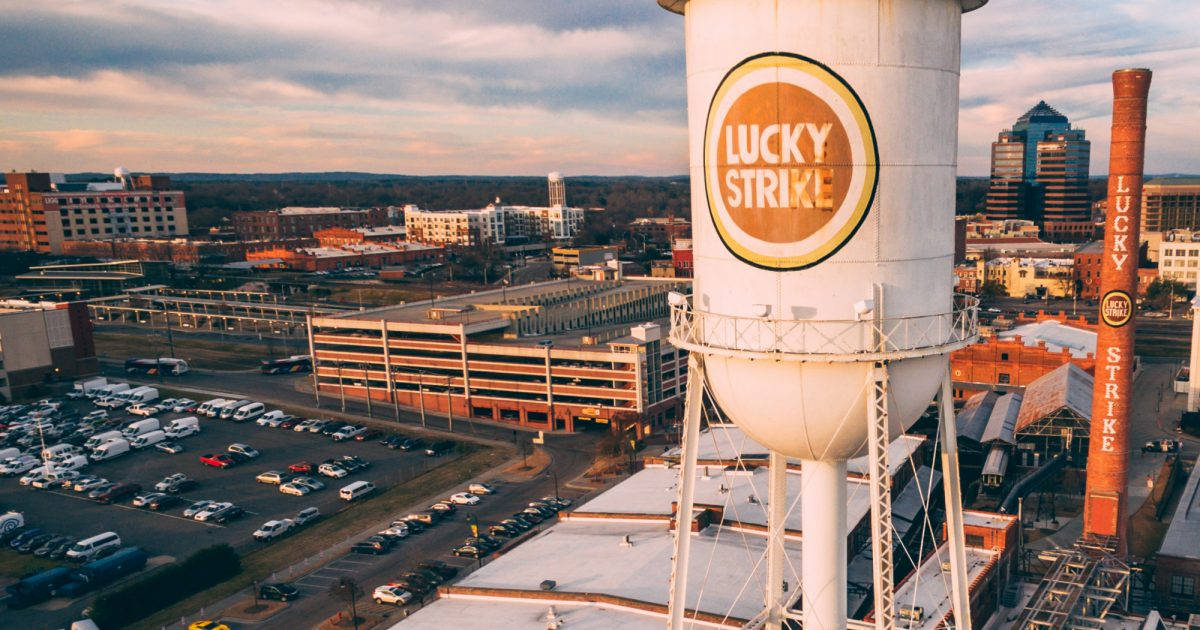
(973, 418)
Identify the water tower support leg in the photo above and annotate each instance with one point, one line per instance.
(685, 499)
(777, 508)
(960, 593)
(882, 533)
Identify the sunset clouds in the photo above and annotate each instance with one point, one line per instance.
(507, 87)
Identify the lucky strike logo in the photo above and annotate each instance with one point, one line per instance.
(1116, 308)
(790, 161)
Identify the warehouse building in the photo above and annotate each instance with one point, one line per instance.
(41, 343)
(564, 355)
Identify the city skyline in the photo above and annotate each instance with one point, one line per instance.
(522, 89)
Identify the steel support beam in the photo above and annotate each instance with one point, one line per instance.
(777, 504)
(882, 532)
(686, 495)
(959, 589)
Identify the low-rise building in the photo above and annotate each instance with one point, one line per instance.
(567, 259)
(560, 355)
(1032, 277)
(1014, 358)
(681, 257)
(497, 224)
(301, 222)
(660, 230)
(337, 236)
(364, 254)
(41, 343)
(181, 251)
(1177, 575)
(1088, 262)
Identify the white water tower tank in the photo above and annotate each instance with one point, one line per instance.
(823, 145)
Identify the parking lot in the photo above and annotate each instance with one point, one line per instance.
(168, 532)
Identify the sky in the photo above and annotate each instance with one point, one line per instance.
(498, 87)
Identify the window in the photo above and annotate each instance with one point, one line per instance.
(1003, 356)
(1002, 378)
(1183, 586)
(974, 540)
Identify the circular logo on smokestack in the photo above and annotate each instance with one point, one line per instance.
(1116, 308)
(790, 161)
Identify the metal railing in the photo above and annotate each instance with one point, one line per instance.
(868, 339)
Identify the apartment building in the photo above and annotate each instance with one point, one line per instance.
(496, 225)
(1179, 256)
(301, 222)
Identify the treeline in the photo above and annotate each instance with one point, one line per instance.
(212, 198)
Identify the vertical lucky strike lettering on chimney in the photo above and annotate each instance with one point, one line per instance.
(1108, 447)
(790, 161)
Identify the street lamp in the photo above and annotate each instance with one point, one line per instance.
(351, 586)
(551, 472)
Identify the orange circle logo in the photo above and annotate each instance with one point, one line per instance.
(790, 161)
(1116, 309)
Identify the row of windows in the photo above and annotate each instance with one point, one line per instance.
(108, 230)
(81, 200)
(128, 209)
(93, 220)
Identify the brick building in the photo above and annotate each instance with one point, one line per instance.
(660, 230)
(348, 255)
(179, 251)
(39, 211)
(337, 236)
(300, 222)
(681, 257)
(1088, 260)
(1015, 358)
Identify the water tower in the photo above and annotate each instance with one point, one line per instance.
(558, 190)
(823, 146)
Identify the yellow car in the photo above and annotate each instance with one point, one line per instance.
(208, 624)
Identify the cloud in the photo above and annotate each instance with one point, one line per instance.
(520, 86)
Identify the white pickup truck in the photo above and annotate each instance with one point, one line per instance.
(273, 529)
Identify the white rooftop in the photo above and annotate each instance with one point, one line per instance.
(1057, 336)
(314, 210)
(385, 230)
(929, 588)
(1181, 537)
(587, 556)
(470, 613)
(653, 489)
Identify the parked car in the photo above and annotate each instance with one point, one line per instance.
(184, 405)
(332, 470)
(441, 568)
(118, 492)
(469, 551)
(206, 512)
(391, 595)
(280, 591)
(244, 450)
(273, 529)
(464, 498)
(301, 467)
(169, 482)
(45, 548)
(170, 448)
(219, 460)
(309, 482)
(273, 477)
(374, 545)
(294, 489)
(411, 444)
(304, 425)
(392, 441)
(230, 513)
(306, 516)
(163, 502)
(369, 434)
(481, 488)
(437, 449)
(196, 507)
(208, 624)
(1162, 446)
(100, 490)
(142, 499)
(89, 483)
(347, 432)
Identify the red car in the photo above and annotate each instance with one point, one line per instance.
(220, 460)
(301, 467)
(290, 422)
(369, 434)
(119, 492)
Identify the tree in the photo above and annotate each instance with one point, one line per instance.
(348, 590)
(1162, 292)
(993, 288)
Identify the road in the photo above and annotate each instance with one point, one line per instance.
(570, 455)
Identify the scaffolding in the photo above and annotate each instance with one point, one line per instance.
(1083, 585)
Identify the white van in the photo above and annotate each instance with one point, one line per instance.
(112, 389)
(228, 410)
(101, 438)
(73, 462)
(6, 453)
(355, 490)
(142, 395)
(182, 427)
(206, 407)
(110, 449)
(50, 452)
(249, 412)
(134, 429)
(147, 439)
(89, 548)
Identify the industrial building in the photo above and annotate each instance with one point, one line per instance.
(567, 259)
(38, 211)
(301, 222)
(562, 355)
(331, 258)
(620, 548)
(1014, 358)
(1178, 562)
(85, 280)
(181, 251)
(42, 343)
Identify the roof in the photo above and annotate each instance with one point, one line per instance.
(1068, 386)
(973, 418)
(601, 563)
(1173, 181)
(1184, 531)
(929, 589)
(1002, 422)
(486, 613)
(1080, 342)
(1094, 247)
(1041, 113)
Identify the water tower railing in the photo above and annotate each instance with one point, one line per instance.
(826, 340)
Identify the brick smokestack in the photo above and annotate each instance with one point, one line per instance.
(1104, 511)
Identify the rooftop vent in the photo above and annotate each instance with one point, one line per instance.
(547, 585)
